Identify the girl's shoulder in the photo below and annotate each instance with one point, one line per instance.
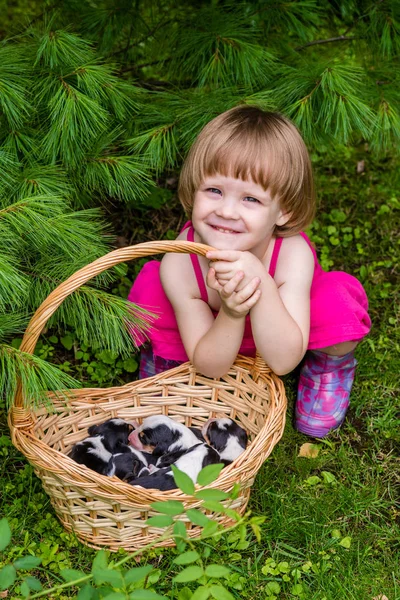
(296, 259)
(177, 270)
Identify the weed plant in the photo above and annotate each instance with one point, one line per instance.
(331, 528)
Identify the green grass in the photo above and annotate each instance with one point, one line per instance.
(332, 522)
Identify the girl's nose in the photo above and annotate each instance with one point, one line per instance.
(228, 209)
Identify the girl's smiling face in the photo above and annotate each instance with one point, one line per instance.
(233, 214)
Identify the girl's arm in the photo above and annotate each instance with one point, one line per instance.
(281, 319)
(211, 344)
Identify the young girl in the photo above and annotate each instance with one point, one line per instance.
(247, 187)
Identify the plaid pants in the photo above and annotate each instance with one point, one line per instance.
(151, 364)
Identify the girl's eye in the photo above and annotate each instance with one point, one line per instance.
(213, 190)
(251, 199)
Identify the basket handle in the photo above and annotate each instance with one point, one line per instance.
(57, 296)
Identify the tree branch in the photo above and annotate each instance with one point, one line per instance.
(340, 38)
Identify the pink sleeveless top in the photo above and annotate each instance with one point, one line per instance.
(163, 335)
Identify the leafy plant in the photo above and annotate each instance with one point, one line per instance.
(110, 578)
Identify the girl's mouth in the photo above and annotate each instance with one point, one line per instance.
(224, 229)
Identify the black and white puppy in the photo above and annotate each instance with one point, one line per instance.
(191, 463)
(92, 453)
(130, 462)
(114, 432)
(227, 437)
(96, 452)
(160, 435)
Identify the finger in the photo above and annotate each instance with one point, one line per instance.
(230, 287)
(220, 266)
(212, 282)
(244, 294)
(250, 302)
(229, 255)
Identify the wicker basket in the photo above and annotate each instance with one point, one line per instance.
(105, 511)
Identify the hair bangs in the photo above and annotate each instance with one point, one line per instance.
(246, 158)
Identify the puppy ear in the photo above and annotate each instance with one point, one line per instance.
(160, 449)
(93, 430)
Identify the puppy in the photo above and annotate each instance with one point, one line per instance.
(160, 435)
(96, 452)
(114, 432)
(92, 453)
(130, 462)
(191, 463)
(227, 437)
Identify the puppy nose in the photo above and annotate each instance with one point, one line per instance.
(134, 441)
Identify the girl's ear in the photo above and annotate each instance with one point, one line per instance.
(283, 217)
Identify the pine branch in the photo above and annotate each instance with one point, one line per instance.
(35, 375)
(340, 38)
(103, 320)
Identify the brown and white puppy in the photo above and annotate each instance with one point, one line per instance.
(225, 436)
(193, 460)
(161, 435)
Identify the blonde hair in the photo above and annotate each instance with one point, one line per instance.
(246, 142)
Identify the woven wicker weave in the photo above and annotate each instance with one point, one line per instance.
(104, 511)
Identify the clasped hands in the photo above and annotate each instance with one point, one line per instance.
(236, 276)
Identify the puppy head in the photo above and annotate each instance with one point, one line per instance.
(155, 435)
(226, 436)
(115, 431)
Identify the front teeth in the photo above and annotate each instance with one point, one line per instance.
(224, 230)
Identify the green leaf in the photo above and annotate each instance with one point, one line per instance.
(5, 534)
(110, 576)
(25, 591)
(211, 494)
(197, 517)
(7, 577)
(115, 596)
(209, 474)
(328, 477)
(214, 506)
(130, 365)
(71, 574)
(189, 574)
(160, 521)
(146, 595)
(169, 507)
(67, 341)
(27, 562)
(100, 561)
(183, 481)
(220, 593)
(297, 590)
(187, 558)
(273, 587)
(185, 594)
(313, 480)
(202, 593)
(180, 530)
(85, 593)
(210, 528)
(34, 584)
(137, 574)
(345, 542)
(217, 571)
